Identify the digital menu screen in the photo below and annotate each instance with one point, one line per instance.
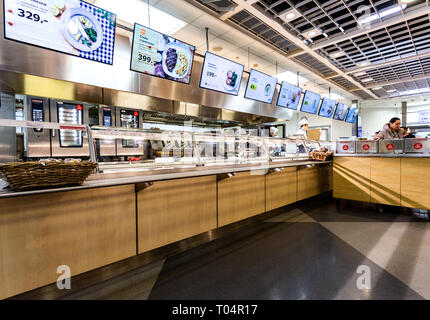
(260, 87)
(341, 111)
(70, 26)
(327, 108)
(159, 55)
(289, 96)
(311, 102)
(220, 74)
(352, 114)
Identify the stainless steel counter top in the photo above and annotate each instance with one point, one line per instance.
(385, 155)
(121, 178)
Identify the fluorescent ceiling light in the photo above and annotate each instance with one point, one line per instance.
(377, 88)
(137, 11)
(391, 90)
(341, 29)
(415, 91)
(366, 80)
(290, 15)
(382, 14)
(364, 64)
(290, 77)
(362, 73)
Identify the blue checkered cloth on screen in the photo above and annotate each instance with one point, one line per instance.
(105, 52)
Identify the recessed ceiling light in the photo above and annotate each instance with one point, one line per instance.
(366, 80)
(290, 15)
(217, 48)
(363, 64)
(255, 65)
(336, 54)
(377, 88)
(391, 90)
(312, 33)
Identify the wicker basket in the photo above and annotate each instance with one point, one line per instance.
(36, 175)
(321, 156)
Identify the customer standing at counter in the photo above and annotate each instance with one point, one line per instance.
(391, 130)
(407, 134)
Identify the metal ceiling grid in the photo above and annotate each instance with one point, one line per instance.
(219, 6)
(262, 30)
(388, 44)
(396, 71)
(343, 82)
(314, 64)
(363, 94)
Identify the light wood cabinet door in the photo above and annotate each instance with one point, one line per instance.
(415, 183)
(351, 178)
(83, 229)
(308, 182)
(240, 197)
(385, 181)
(281, 188)
(173, 210)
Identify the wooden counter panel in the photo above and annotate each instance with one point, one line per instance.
(415, 183)
(308, 182)
(83, 229)
(385, 181)
(351, 178)
(326, 178)
(281, 188)
(240, 197)
(172, 210)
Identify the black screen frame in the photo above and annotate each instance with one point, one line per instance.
(153, 75)
(347, 108)
(247, 84)
(303, 101)
(279, 95)
(334, 110)
(203, 67)
(58, 51)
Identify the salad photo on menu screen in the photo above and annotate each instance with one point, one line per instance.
(260, 87)
(70, 26)
(159, 55)
(220, 74)
(289, 96)
(311, 102)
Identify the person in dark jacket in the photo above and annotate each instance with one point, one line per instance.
(407, 134)
(391, 130)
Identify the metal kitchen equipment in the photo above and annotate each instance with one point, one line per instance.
(38, 140)
(345, 145)
(105, 117)
(129, 118)
(416, 145)
(69, 143)
(394, 146)
(367, 146)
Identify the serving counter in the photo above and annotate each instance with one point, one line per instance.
(391, 172)
(128, 209)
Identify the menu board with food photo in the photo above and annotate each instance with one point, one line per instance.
(352, 114)
(289, 96)
(327, 108)
(260, 87)
(311, 102)
(70, 26)
(220, 74)
(159, 55)
(341, 111)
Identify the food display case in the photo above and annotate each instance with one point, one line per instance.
(394, 146)
(417, 145)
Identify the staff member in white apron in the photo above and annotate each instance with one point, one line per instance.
(304, 125)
